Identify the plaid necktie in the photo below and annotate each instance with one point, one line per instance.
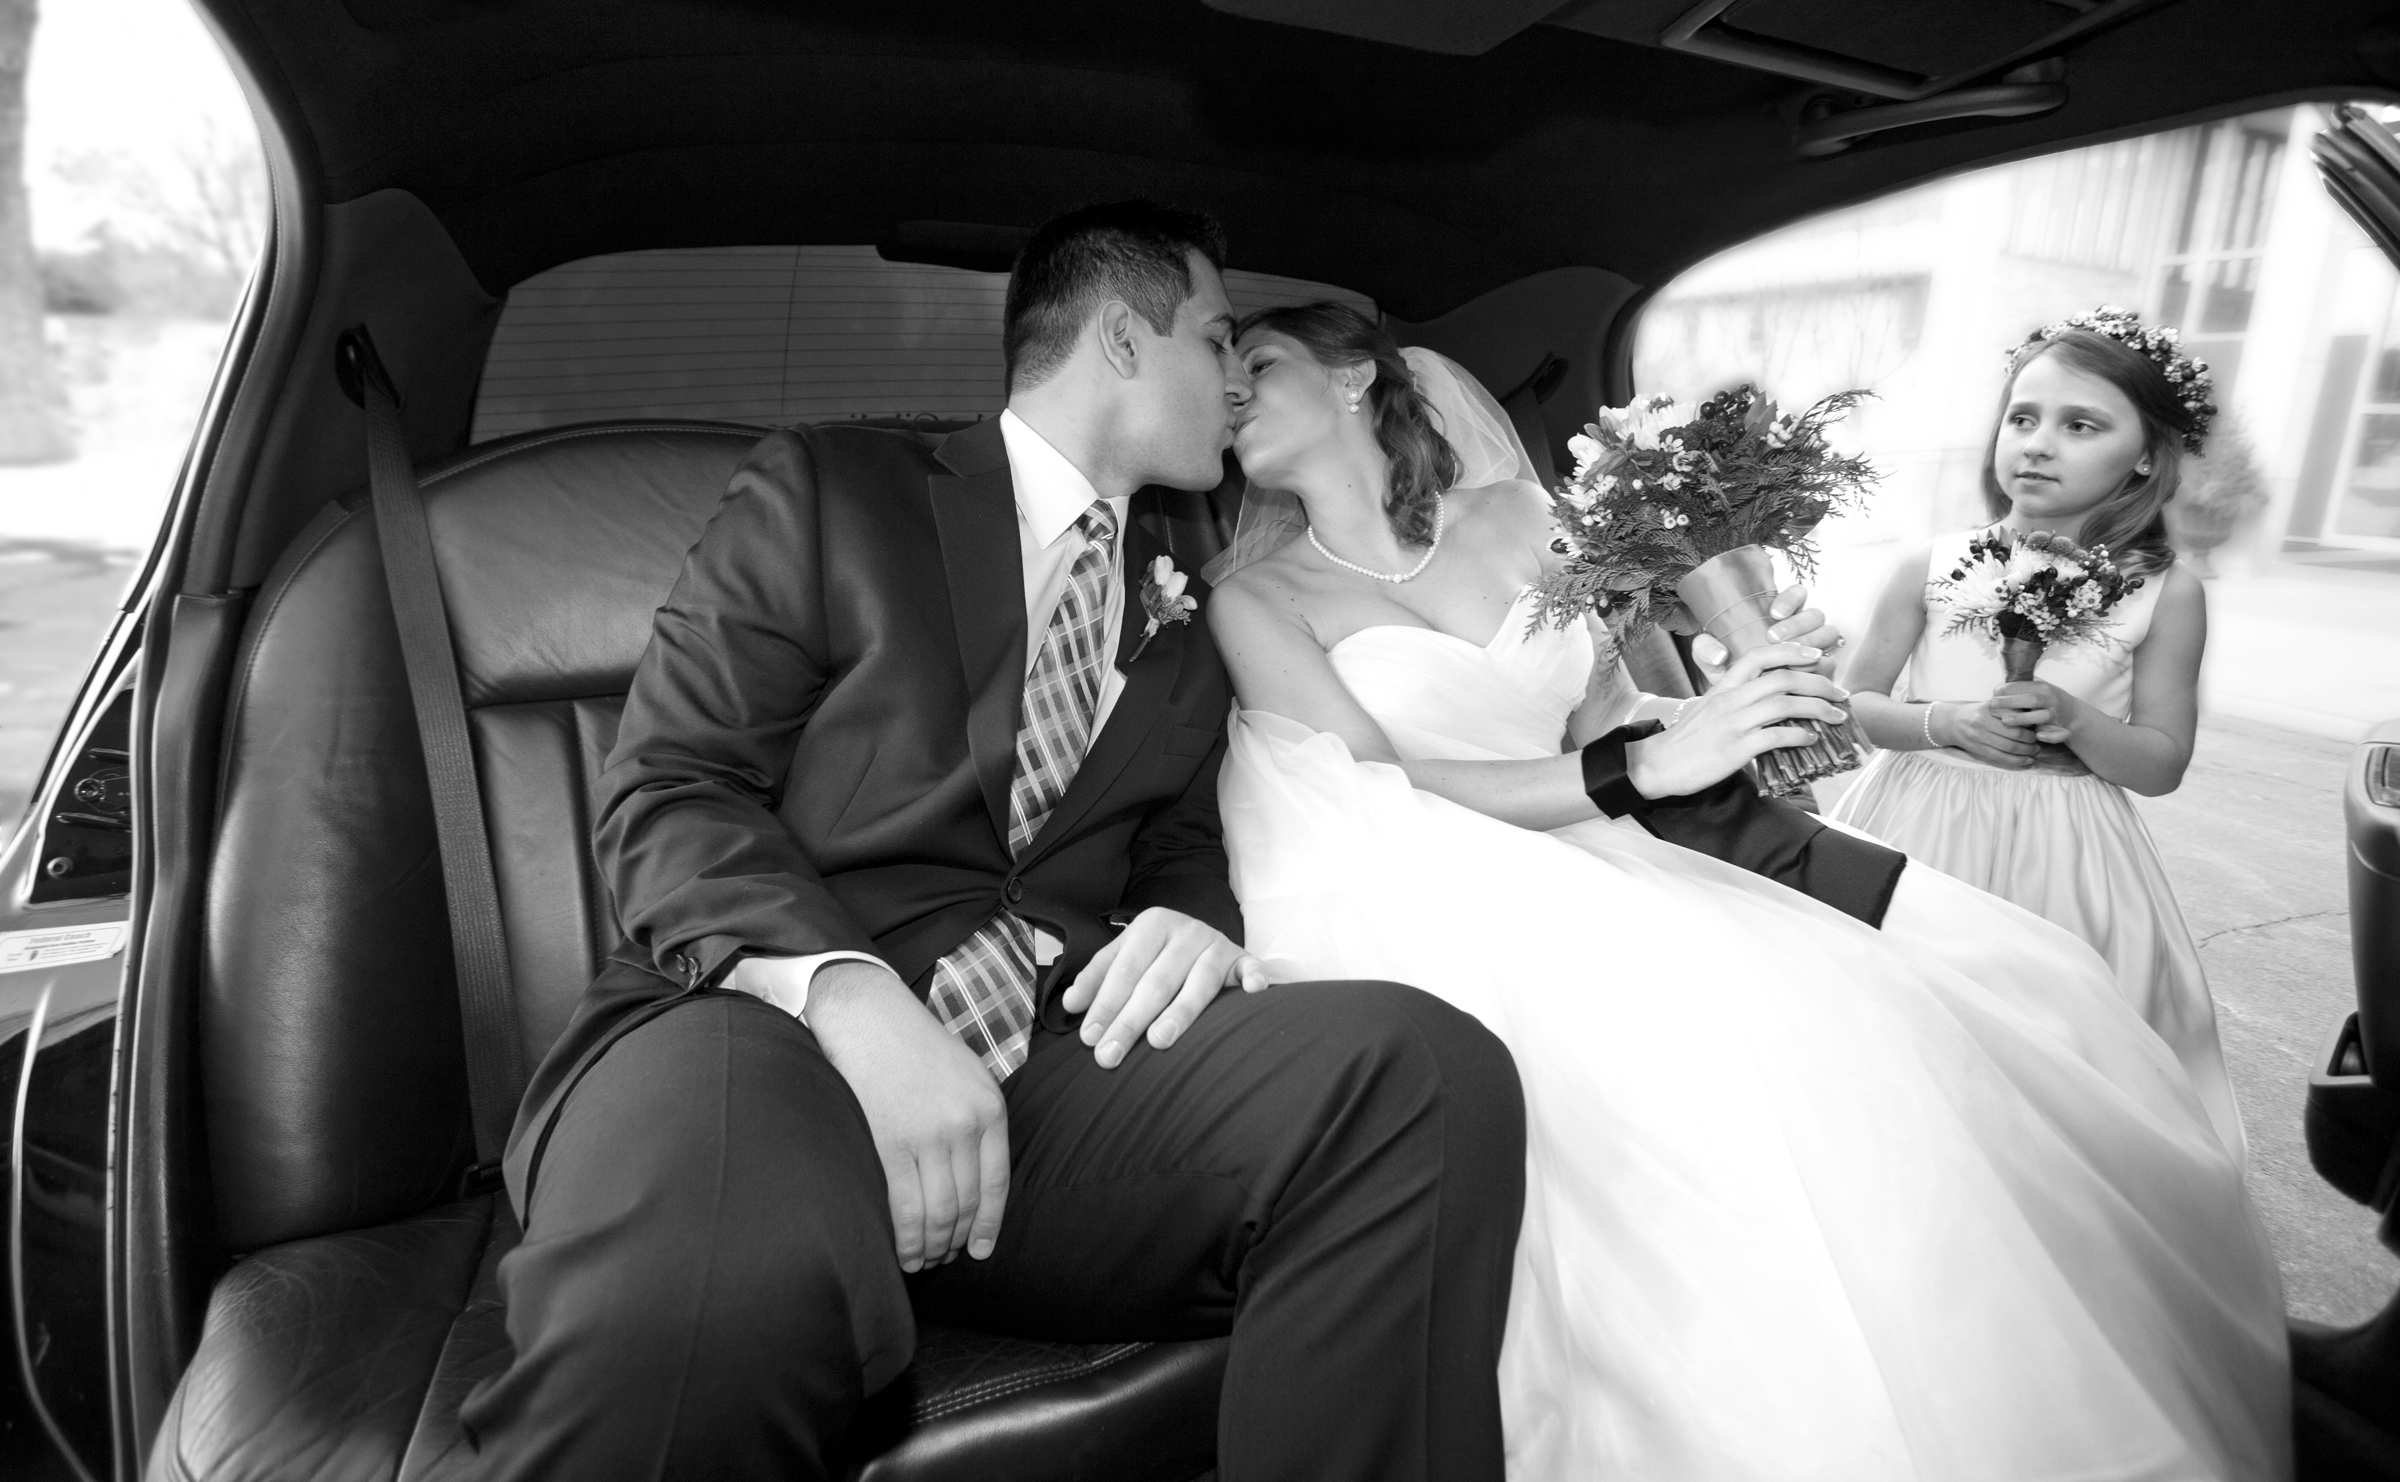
(983, 991)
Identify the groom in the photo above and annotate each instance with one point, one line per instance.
(911, 830)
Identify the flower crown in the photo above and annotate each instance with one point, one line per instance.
(2188, 378)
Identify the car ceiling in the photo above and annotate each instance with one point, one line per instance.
(1444, 148)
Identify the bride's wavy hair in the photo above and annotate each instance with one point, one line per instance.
(1422, 464)
(2132, 522)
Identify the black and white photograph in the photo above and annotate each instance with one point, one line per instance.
(1200, 741)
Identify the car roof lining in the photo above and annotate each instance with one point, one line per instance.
(1432, 179)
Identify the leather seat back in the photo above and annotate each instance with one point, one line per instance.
(333, 1079)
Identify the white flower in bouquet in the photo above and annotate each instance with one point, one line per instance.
(1644, 422)
(1587, 451)
(1977, 591)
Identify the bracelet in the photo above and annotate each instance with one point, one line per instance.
(1930, 743)
(1605, 780)
(1681, 706)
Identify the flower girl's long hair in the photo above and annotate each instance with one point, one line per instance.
(2132, 522)
(1423, 464)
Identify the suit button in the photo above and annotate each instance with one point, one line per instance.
(1014, 890)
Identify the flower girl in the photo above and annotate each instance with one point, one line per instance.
(2020, 787)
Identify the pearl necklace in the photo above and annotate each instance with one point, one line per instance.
(1410, 575)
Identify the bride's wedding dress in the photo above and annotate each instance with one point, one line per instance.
(1806, 1200)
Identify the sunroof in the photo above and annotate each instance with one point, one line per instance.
(769, 335)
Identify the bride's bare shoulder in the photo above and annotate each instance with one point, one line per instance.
(1272, 589)
(1511, 508)
(1504, 517)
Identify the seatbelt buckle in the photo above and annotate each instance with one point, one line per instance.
(480, 1179)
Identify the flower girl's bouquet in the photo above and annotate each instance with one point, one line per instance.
(1672, 512)
(2028, 592)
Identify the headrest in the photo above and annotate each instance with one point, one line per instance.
(555, 548)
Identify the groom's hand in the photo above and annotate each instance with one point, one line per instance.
(1751, 710)
(936, 1114)
(1158, 975)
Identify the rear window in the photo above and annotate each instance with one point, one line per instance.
(770, 335)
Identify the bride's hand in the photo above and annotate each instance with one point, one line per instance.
(1750, 711)
(1795, 622)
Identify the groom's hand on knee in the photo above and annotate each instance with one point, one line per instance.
(1156, 977)
(936, 1115)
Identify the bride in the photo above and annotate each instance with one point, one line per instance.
(1806, 1199)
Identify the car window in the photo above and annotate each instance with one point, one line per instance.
(763, 334)
(144, 206)
(2224, 232)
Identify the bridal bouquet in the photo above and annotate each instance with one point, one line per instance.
(2028, 592)
(1672, 512)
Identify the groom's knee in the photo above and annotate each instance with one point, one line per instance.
(1400, 1046)
(707, 1241)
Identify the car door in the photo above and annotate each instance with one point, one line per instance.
(65, 911)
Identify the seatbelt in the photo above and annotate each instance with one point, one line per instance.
(487, 1005)
(1523, 407)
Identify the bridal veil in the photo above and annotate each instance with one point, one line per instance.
(1489, 452)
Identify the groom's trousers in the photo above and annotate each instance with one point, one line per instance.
(1331, 1172)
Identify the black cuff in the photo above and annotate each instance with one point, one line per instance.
(1604, 779)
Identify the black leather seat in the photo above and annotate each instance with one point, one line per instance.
(363, 1306)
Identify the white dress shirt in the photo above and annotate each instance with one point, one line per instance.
(1051, 494)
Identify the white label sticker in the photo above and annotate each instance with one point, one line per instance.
(22, 951)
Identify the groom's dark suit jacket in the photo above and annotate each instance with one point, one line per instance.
(818, 746)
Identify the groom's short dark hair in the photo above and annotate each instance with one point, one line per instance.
(1138, 251)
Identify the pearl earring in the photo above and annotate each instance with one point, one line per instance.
(2142, 470)
(1353, 406)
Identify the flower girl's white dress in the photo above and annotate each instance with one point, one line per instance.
(2055, 839)
(1805, 1200)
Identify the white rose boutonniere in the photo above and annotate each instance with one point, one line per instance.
(1163, 601)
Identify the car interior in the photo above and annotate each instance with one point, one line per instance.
(597, 249)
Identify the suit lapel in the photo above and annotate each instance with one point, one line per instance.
(975, 512)
(1148, 681)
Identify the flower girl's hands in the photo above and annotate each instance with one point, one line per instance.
(1977, 729)
(1747, 712)
(1159, 973)
(2035, 705)
(935, 1113)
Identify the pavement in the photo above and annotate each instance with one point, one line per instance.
(2253, 841)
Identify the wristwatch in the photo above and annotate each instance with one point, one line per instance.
(1604, 778)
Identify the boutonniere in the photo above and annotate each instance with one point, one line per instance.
(1163, 601)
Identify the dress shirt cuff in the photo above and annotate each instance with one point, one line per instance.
(793, 1000)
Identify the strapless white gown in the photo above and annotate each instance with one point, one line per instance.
(1805, 1200)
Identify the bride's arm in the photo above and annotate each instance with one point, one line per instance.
(1277, 666)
